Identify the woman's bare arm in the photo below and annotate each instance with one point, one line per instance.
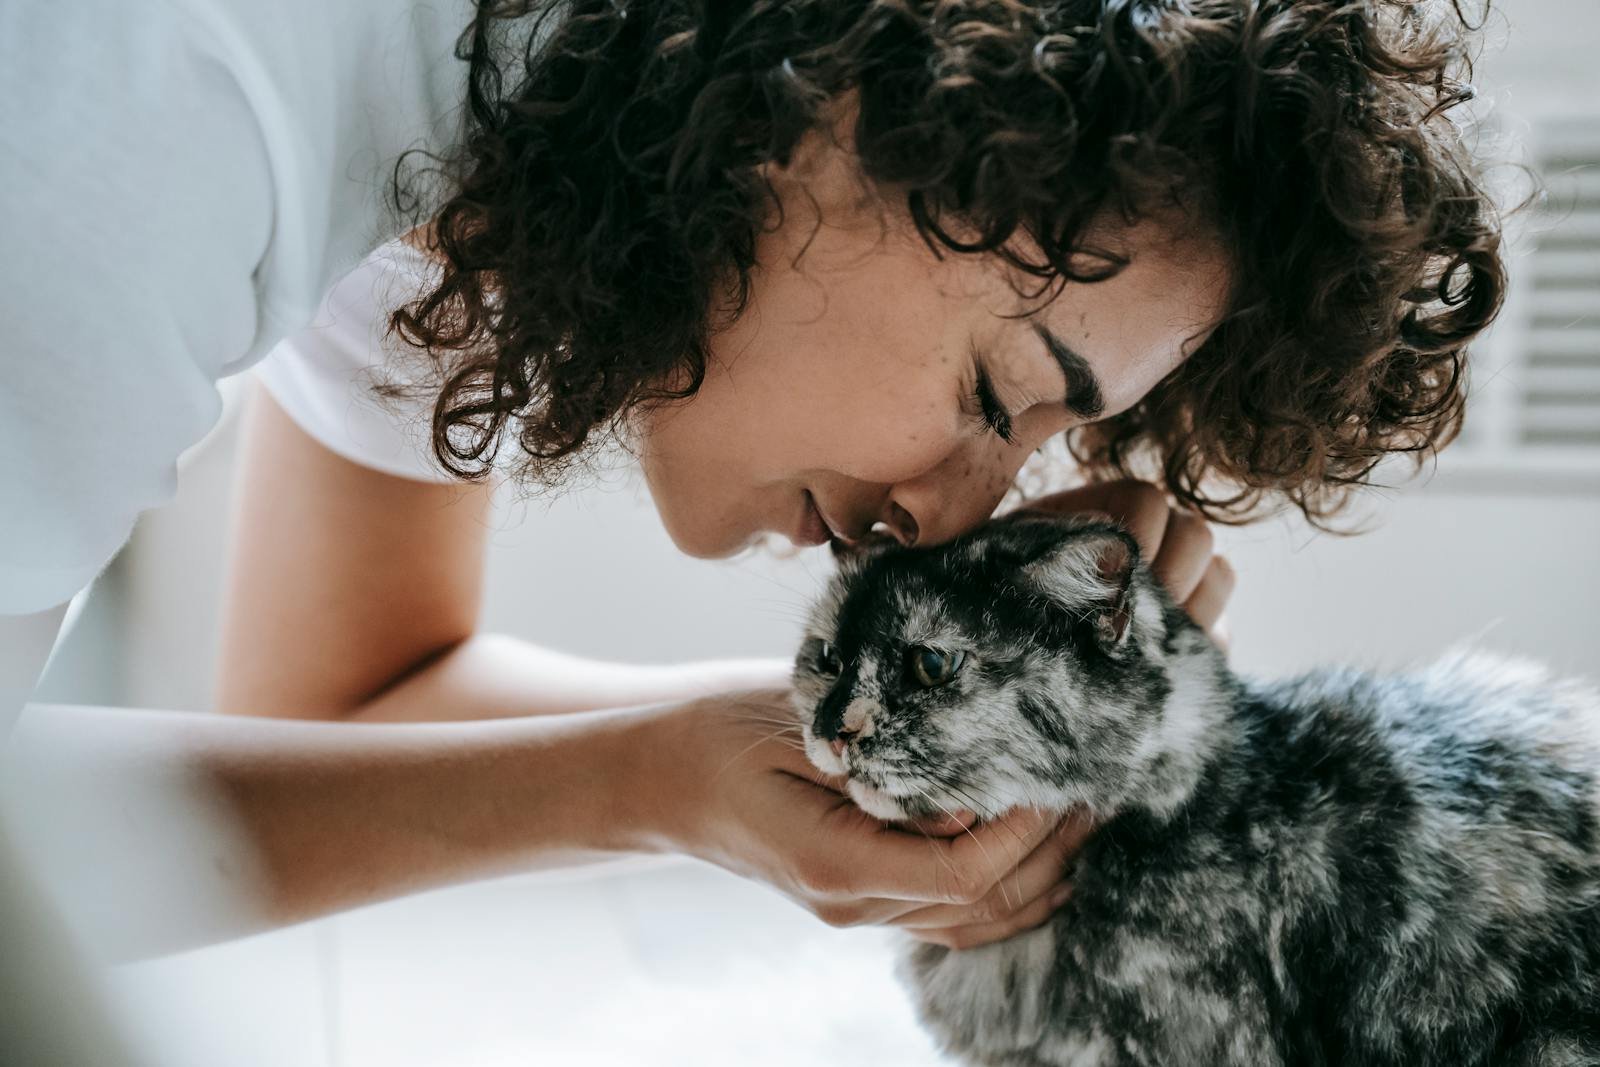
(158, 830)
(345, 581)
(341, 579)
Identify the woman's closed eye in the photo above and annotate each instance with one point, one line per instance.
(995, 415)
(985, 408)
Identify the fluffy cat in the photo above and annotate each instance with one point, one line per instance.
(1339, 869)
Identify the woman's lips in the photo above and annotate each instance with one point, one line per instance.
(839, 544)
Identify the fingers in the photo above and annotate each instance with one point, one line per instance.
(948, 824)
(994, 850)
(780, 744)
(1185, 554)
(1211, 593)
(1035, 913)
(1107, 497)
(1222, 634)
(1038, 875)
(1019, 899)
(857, 856)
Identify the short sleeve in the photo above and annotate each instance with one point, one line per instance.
(323, 376)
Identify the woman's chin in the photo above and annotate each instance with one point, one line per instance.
(696, 527)
(703, 540)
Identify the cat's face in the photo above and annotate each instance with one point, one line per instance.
(1031, 662)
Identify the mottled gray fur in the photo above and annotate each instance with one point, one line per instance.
(1339, 869)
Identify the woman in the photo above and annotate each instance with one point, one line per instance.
(823, 266)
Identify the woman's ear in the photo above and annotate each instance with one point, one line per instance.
(1089, 574)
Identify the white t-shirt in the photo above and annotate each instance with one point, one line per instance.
(322, 376)
(181, 182)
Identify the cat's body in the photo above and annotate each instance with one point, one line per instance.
(1355, 879)
(1336, 870)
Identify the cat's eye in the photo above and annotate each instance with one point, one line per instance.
(931, 667)
(826, 659)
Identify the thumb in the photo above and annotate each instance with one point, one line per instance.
(946, 824)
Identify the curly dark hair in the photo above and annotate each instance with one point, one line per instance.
(607, 198)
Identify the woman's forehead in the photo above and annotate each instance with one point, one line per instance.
(857, 246)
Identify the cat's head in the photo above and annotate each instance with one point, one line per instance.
(1034, 661)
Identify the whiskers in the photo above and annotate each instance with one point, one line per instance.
(939, 853)
(986, 806)
(782, 731)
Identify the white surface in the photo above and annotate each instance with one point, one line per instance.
(677, 965)
(258, 1002)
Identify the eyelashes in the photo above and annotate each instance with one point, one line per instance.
(993, 415)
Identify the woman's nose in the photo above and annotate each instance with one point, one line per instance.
(902, 525)
(943, 505)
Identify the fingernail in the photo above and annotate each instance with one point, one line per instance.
(1059, 895)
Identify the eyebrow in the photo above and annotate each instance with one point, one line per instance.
(1084, 395)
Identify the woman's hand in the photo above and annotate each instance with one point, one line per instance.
(735, 788)
(1176, 544)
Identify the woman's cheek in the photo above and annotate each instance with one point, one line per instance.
(900, 452)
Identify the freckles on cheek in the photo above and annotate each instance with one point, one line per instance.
(986, 476)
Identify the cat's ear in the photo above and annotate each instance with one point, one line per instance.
(1089, 574)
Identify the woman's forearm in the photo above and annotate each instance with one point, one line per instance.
(340, 820)
(491, 676)
(161, 830)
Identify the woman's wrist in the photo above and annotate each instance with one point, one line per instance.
(652, 786)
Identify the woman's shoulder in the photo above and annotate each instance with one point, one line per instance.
(327, 375)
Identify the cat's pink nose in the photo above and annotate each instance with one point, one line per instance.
(837, 744)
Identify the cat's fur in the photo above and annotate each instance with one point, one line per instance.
(1340, 869)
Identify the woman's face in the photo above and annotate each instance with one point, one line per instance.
(846, 389)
